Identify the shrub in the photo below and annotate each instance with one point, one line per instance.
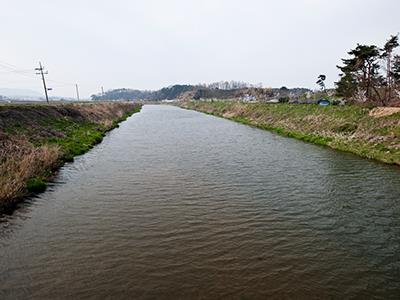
(284, 99)
(36, 185)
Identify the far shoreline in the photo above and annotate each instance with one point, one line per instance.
(348, 128)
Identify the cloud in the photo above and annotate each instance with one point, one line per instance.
(150, 44)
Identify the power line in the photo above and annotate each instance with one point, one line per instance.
(61, 82)
(15, 71)
(12, 68)
(10, 65)
(27, 73)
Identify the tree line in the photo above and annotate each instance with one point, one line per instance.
(171, 92)
(202, 91)
(219, 89)
(371, 74)
(229, 85)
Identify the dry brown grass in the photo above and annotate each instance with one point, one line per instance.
(372, 134)
(104, 113)
(31, 116)
(19, 161)
(383, 111)
(36, 139)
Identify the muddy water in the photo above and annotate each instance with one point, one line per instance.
(175, 204)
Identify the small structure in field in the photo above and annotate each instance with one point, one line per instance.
(323, 102)
(249, 98)
(273, 101)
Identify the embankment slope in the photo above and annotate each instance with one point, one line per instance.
(347, 128)
(35, 140)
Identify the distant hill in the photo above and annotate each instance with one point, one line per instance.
(220, 90)
(20, 94)
(171, 92)
(7, 94)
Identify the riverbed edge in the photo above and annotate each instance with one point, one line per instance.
(94, 135)
(358, 147)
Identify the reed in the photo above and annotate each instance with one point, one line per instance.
(37, 139)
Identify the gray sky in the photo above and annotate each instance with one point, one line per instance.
(149, 44)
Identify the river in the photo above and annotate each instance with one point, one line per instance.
(175, 204)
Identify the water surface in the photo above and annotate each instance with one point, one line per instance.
(176, 204)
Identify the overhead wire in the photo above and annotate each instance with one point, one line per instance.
(10, 68)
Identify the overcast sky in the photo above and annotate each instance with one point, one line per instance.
(149, 44)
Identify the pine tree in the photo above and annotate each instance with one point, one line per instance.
(396, 74)
(360, 71)
(387, 55)
(347, 86)
(396, 70)
(321, 81)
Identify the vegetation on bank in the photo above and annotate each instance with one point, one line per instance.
(371, 74)
(348, 128)
(35, 140)
(216, 90)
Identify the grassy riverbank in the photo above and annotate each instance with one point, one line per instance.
(346, 128)
(35, 140)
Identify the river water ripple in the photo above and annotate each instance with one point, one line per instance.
(176, 204)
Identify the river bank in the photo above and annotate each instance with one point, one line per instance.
(352, 129)
(35, 140)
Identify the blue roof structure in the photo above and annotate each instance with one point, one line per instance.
(323, 102)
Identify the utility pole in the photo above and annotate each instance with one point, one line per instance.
(40, 69)
(102, 91)
(77, 91)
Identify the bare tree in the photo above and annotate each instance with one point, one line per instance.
(387, 56)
